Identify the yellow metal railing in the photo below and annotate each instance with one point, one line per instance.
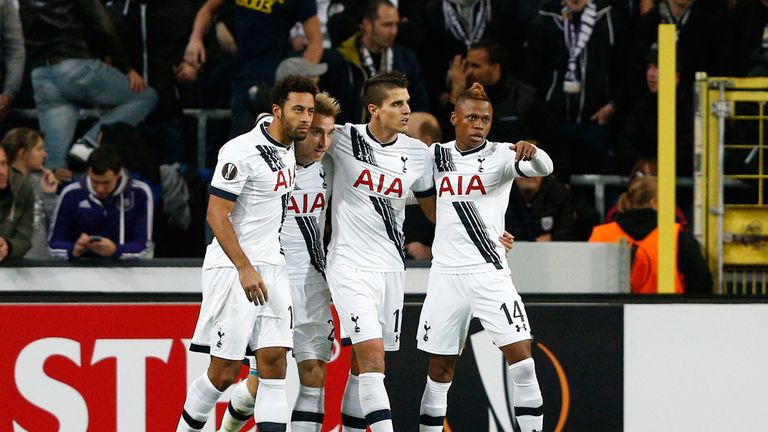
(731, 142)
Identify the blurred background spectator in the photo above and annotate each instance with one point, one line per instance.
(16, 207)
(66, 76)
(105, 214)
(11, 55)
(25, 150)
(540, 209)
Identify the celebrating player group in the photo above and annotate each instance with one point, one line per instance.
(268, 285)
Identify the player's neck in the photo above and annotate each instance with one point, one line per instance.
(275, 130)
(465, 147)
(382, 134)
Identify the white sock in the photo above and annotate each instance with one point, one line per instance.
(352, 417)
(434, 404)
(240, 408)
(271, 410)
(528, 404)
(375, 402)
(201, 398)
(309, 410)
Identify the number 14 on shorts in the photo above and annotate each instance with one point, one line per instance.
(517, 313)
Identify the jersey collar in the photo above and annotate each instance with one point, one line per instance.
(368, 131)
(270, 139)
(471, 151)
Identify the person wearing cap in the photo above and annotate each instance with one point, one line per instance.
(259, 100)
(262, 32)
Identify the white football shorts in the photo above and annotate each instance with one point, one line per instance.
(312, 321)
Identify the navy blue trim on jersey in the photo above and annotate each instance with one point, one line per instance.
(361, 148)
(286, 198)
(193, 423)
(472, 150)
(345, 342)
(311, 233)
(427, 193)
(378, 415)
(529, 411)
(353, 422)
(236, 415)
(428, 420)
(271, 427)
(444, 159)
(519, 171)
(477, 232)
(307, 416)
(205, 349)
(270, 156)
(384, 209)
(229, 196)
(370, 134)
(270, 138)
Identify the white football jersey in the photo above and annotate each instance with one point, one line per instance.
(302, 234)
(257, 173)
(371, 181)
(472, 195)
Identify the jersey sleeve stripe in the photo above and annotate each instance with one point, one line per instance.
(519, 171)
(229, 196)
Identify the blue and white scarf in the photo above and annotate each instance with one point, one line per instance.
(577, 36)
(470, 29)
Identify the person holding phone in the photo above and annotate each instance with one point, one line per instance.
(106, 214)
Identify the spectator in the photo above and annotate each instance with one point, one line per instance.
(575, 60)
(638, 138)
(104, 214)
(260, 96)
(424, 126)
(638, 225)
(644, 167)
(747, 53)
(372, 51)
(16, 206)
(451, 27)
(154, 35)
(701, 37)
(262, 36)
(12, 50)
(540, 209)
(26, 154)
(519, 112)
(67, 77)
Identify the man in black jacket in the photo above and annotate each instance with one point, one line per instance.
(66, 76)
(540, 209)
(367, 53)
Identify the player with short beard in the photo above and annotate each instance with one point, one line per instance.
(250, 192)
(469, 275)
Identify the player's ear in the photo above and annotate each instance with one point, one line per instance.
(276, 111)
(453, 118)
(373, 110)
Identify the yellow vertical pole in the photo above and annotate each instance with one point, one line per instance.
(666, 162)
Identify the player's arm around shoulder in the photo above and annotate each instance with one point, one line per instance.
(529, 160)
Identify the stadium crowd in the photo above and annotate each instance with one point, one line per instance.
(578, 77)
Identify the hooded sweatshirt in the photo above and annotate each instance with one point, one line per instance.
(125, 217)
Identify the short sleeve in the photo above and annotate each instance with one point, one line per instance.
(230, 174)
(425, 185)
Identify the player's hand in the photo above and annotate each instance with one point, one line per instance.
(507, 240)
(419, 251)
(523, 150)
(253, 285)
(103, 247)
(194, 54)
(81, 245)
(3, 249)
